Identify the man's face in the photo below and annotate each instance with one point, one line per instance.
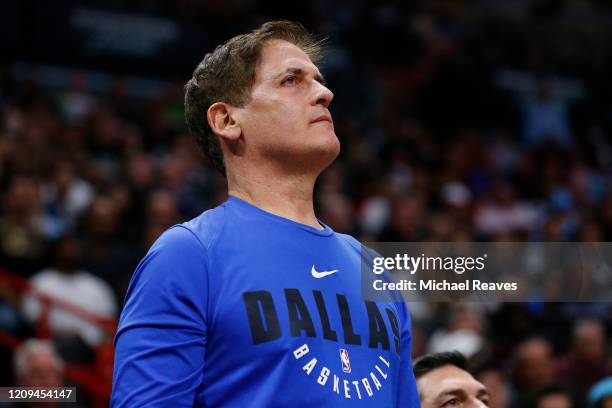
(536, 363)
(287, 120)
(449, 386)
(42, 371)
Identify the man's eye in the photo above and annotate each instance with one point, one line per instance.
(451, 403)
(290, 80)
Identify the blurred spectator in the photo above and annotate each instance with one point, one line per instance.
(463, 332)
(21, 229)
(65, 281)
(407, 219)
(64, 199)
(546, 118)
(375, 213)
(76, 103)
(104, 253)
(141, 175)
(545, 104)
(37, 364)
(534, 365)
(162, 213)
(585, 363)
(336, 211)
(503, 213)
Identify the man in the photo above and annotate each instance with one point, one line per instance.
(585, 363)
(443, 381)
(256, 303)
(37, 364)
(66, 281)
(534, 367)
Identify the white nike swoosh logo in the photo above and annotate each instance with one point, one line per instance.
(321, 274)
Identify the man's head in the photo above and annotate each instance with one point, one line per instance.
(261, 97)
(589, 342)
(38, 365)
(535, 367)
(444, 382)
(67, 252)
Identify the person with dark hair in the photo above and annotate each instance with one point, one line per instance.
(444, 381)
(429, 362)
(534, 365)
(67, 281)
(585, 362)
(256, 302)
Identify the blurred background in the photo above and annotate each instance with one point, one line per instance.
(481, 120)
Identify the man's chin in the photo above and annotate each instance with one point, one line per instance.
(325, 153)
(312, 157)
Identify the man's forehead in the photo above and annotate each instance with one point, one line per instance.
(278, 55)
(448, 378)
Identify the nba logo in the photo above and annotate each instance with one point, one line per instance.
(344, 359)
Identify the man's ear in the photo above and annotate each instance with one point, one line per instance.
(221, 120)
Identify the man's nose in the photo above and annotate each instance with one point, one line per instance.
(323, 96)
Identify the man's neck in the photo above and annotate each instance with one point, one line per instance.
(288, 196)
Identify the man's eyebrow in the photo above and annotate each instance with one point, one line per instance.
(299, 71)
(482, 392)
(455, 391)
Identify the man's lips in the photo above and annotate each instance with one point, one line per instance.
(322, 118)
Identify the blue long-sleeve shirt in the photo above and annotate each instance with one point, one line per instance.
(242, 308)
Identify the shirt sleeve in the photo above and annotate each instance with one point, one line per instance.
(161, 340)
(408, 394)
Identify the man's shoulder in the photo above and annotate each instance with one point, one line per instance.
(349, 240)
(204, 228)
(363, 249)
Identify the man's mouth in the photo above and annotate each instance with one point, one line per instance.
(322, 118)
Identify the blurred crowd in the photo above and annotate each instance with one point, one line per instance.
(459, 121)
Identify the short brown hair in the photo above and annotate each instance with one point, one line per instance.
(227, 75)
